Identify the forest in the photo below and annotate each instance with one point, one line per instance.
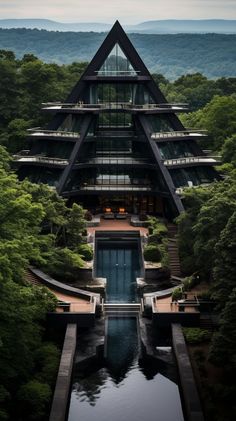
(214, 55)
(36, 227)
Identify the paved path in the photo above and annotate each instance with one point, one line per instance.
(116, 225)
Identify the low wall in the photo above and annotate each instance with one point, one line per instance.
(59, 321)
(156, 273)
(191, 399)
(185, 319)
(60, 287)
(62, 389)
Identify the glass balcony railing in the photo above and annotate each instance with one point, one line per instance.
(36, 132)
(130, 72)
(124, 106)
(192, 160)
(111, 187)
(40, 159)
(116, 161)
(161, 136)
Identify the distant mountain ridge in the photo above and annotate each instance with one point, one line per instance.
(169, 26)
(170, 54)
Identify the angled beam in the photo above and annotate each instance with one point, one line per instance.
(164, 171)
(74, 153)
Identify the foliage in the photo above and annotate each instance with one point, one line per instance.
(224, 341)
(207, 213)
(229, 150)
(177, 294)
(152, 253)
(35, 227)
(86, 251)
(171, 55)
(218, 117)
(195, 335)
(33, 398)
(224, 272)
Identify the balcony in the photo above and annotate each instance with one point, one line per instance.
(81, 108)
(136, 161)
(40, 159)
(192, 161)
(38, 133)
(179, 135)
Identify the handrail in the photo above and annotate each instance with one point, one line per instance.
(115, 105)
(38, 131)
(117, 72)
(38, 158)
(180, 133)
(190, 159)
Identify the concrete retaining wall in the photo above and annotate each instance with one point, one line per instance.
(185, 319)
(59, 321)
(191, 399)
(62, 389)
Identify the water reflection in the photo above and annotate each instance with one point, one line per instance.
(124, 388)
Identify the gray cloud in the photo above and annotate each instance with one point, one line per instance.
(127, 11)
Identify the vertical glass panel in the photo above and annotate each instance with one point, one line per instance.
(117, 64)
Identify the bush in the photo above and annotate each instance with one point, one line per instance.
(152, 253)
(195, 335)
(177, 294)
(47, 359)
(33, 399)
(86, 251)
(63, 264)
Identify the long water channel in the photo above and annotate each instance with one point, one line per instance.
(122, 388)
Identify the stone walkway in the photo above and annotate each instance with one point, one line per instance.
(116, 225)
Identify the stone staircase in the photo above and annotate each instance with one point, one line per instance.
(31, 278)
(173, 251)
(121, 309)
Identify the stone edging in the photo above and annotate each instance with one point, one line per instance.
(59, 286)
(62, 389)
(191, 399)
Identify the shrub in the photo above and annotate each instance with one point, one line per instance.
(63, 264)
(195, 335)
(33, 399)
(86, 251)
(47, 358)
(152, 253)
(177, 294)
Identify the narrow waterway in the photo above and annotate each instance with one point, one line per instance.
(123, 388)
(119, 264)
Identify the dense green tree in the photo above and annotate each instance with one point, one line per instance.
(224, 272)
(223, 345)
(229, 150)
(218, 117)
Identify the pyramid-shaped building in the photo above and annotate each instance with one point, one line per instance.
(116, 142)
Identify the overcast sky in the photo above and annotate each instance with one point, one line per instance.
(127, 11)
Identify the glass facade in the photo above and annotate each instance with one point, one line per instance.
(120, 93)
(40, 174)
(171, 150)
(117, 64)
(53, 149)
(196, 175)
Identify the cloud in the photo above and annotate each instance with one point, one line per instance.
(128, 11)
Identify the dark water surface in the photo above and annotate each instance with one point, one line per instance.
(119, 263)
(124, 391)
(122, 388)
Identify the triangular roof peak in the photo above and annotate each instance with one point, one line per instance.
(116, 35)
